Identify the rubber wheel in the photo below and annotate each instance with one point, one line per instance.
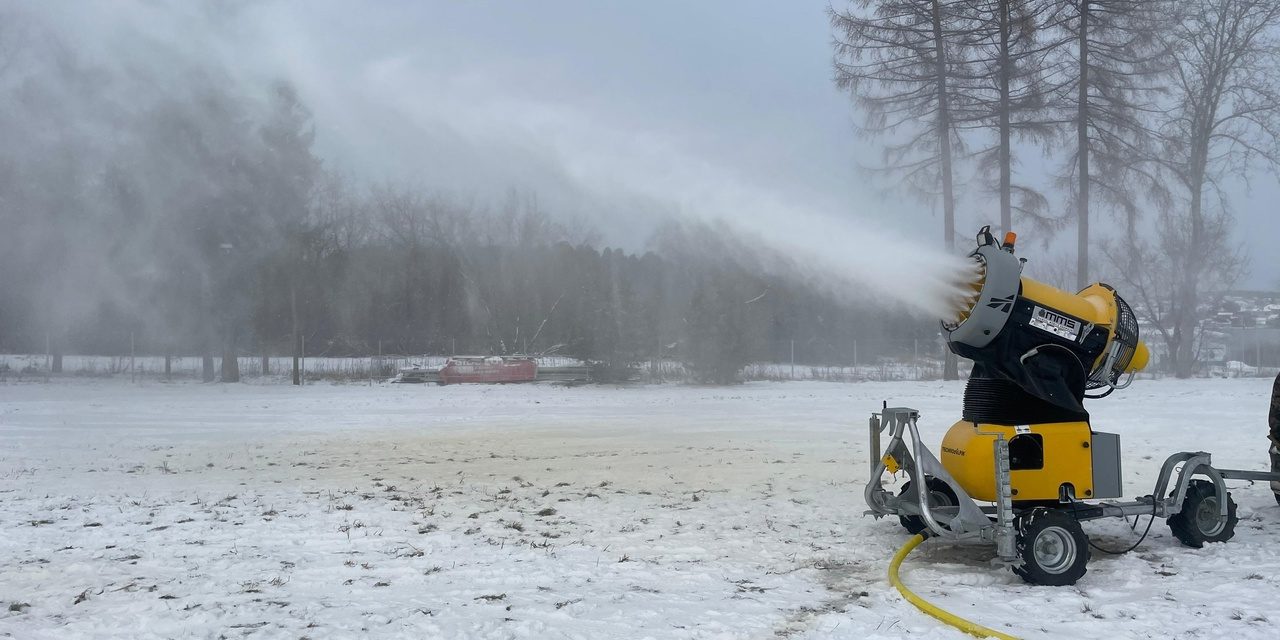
(1200, 521)
(1053, 548)
(940, 495)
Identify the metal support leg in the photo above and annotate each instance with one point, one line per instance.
(1005, 547)
(875, 446)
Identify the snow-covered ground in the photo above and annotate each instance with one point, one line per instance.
(535, 511)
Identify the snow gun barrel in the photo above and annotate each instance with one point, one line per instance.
(1033, 333)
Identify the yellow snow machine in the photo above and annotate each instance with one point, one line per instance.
(1023, 468)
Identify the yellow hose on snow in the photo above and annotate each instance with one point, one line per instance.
(952, 619)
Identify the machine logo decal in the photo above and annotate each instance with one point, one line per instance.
(1055, 323)
(1001, 304)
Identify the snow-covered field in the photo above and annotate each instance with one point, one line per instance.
(535, 511)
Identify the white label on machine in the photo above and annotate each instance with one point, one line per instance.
(1055, 323)
(1022, 428)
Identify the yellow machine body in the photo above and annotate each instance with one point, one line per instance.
(1095, 304)
(1043, 458)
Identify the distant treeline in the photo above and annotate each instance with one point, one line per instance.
(377, 274)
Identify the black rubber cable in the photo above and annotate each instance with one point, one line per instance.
(1101, 395)
(1135, 528)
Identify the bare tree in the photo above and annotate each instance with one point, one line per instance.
(1224, 117)
(291, 172)
(1118, 58)
(1151, 273)
(896, 58)
(1009, 87)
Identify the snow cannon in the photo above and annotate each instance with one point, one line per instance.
(1037, 352)
(1023, 467)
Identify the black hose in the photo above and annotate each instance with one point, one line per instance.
(1134, 527)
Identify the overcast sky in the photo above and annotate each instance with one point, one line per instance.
(623, 112)
(658, 104)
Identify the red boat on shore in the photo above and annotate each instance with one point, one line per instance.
(488, 369)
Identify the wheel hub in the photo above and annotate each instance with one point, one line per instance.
(1208, 520)
(1054, 549)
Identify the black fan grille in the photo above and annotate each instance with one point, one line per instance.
(1126, 336)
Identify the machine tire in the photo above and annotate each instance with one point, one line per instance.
(1053, 548)
(940, 495)
(1198, 522)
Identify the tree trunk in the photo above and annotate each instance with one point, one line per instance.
(1006, 171)
(207, 373)
(230, 358)
(293, 332)
(266, 365)
(53, 350)
(1193, 267)
(1082, 151)
(950, 364)
(230, 366)
(944, 131)
(168, 366)
(1188, 290)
